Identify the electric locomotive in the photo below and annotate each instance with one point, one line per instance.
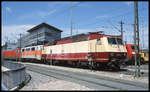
(33, 53)
(94, 49)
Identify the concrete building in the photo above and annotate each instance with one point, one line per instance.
(40, 34)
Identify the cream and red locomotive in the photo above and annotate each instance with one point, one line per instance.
(94, 49)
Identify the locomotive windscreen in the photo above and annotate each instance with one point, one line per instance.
(134, 47)
(114, 40)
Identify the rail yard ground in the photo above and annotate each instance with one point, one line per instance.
(49, 77)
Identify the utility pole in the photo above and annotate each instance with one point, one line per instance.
(71, 18)
(121, 25)
(20, 48)
(136, 38)
(142, 33)
(120, 30)
(6, 43)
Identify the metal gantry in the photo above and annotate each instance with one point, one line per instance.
(121, 25)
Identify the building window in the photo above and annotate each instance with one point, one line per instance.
(40, 34)
(47, 34)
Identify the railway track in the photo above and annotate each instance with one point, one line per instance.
(123, 70)
(91, 81)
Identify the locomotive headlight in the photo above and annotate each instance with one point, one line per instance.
(133, 52)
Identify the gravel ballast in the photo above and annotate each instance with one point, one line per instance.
(43, 82)
(99, 73)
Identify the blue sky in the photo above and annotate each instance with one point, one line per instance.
(17, 17)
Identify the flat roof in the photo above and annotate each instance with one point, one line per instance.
(43, 24)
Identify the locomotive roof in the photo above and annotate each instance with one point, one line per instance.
(80, 37)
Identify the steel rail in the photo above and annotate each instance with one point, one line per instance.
(63, 74)
(91, 82)
(127, 82)
(110, 79)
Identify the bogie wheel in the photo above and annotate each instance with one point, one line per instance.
(116, 67)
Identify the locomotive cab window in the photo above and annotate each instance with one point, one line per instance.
(119, 40)
(114, 40)
(134, 47)
(99, 41)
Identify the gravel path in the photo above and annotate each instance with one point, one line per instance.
(43, 82)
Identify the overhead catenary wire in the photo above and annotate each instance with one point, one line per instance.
(103, 19)
(126, 13)
(67, 9)
(95, 17)
(113, 25)
(89, 18)
(119, 15)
